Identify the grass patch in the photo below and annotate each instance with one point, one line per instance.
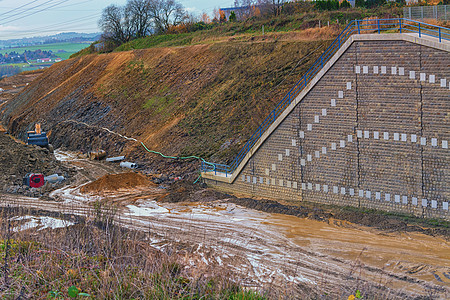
(164, 40)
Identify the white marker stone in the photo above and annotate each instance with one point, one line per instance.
(359, 133)
(432, 78)
(396, 136)
(375, 69)
(423, 76)
(424, 202)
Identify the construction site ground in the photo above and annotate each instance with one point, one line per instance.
(262, 243)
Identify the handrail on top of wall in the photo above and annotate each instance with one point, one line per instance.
(379, 26)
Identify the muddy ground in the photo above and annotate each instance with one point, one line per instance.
(177, 180)
(262, 242)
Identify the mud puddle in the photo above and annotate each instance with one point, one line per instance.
(264, 248)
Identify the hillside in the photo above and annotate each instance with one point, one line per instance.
(203, 100)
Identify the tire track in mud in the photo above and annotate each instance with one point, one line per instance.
(244, 243)
(263, 255)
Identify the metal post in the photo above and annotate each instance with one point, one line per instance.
(321, 61)
(378, 22)
(439, 34)
(357, 23)
(339, 41)
(400, 23)
(419, 30)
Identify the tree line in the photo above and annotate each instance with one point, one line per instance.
(139, 18)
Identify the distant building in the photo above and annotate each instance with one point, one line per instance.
(43, 60)
(58, 59)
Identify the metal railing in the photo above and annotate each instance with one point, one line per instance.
(379, 26)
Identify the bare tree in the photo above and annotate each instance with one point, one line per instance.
(165, 13)
(115, 25)
(138, 12)
(138, 19)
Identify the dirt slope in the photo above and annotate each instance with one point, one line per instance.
(203, 100)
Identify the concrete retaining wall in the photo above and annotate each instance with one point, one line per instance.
(372, 132)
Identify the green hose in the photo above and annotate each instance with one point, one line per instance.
(179, 157)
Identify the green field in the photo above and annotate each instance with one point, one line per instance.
(70, 48)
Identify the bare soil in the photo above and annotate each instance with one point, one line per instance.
(114, 182)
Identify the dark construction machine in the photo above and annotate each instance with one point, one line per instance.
(38, 137)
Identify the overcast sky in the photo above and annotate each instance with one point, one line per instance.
(27, 18)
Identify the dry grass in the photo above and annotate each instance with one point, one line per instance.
(101, 259)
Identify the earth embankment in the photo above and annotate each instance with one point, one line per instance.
(203, 100)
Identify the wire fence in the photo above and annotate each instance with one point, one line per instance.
(437, 12)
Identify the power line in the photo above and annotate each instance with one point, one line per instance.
(17, 8)
(33, 13)
(85, 18)
(26, 10)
